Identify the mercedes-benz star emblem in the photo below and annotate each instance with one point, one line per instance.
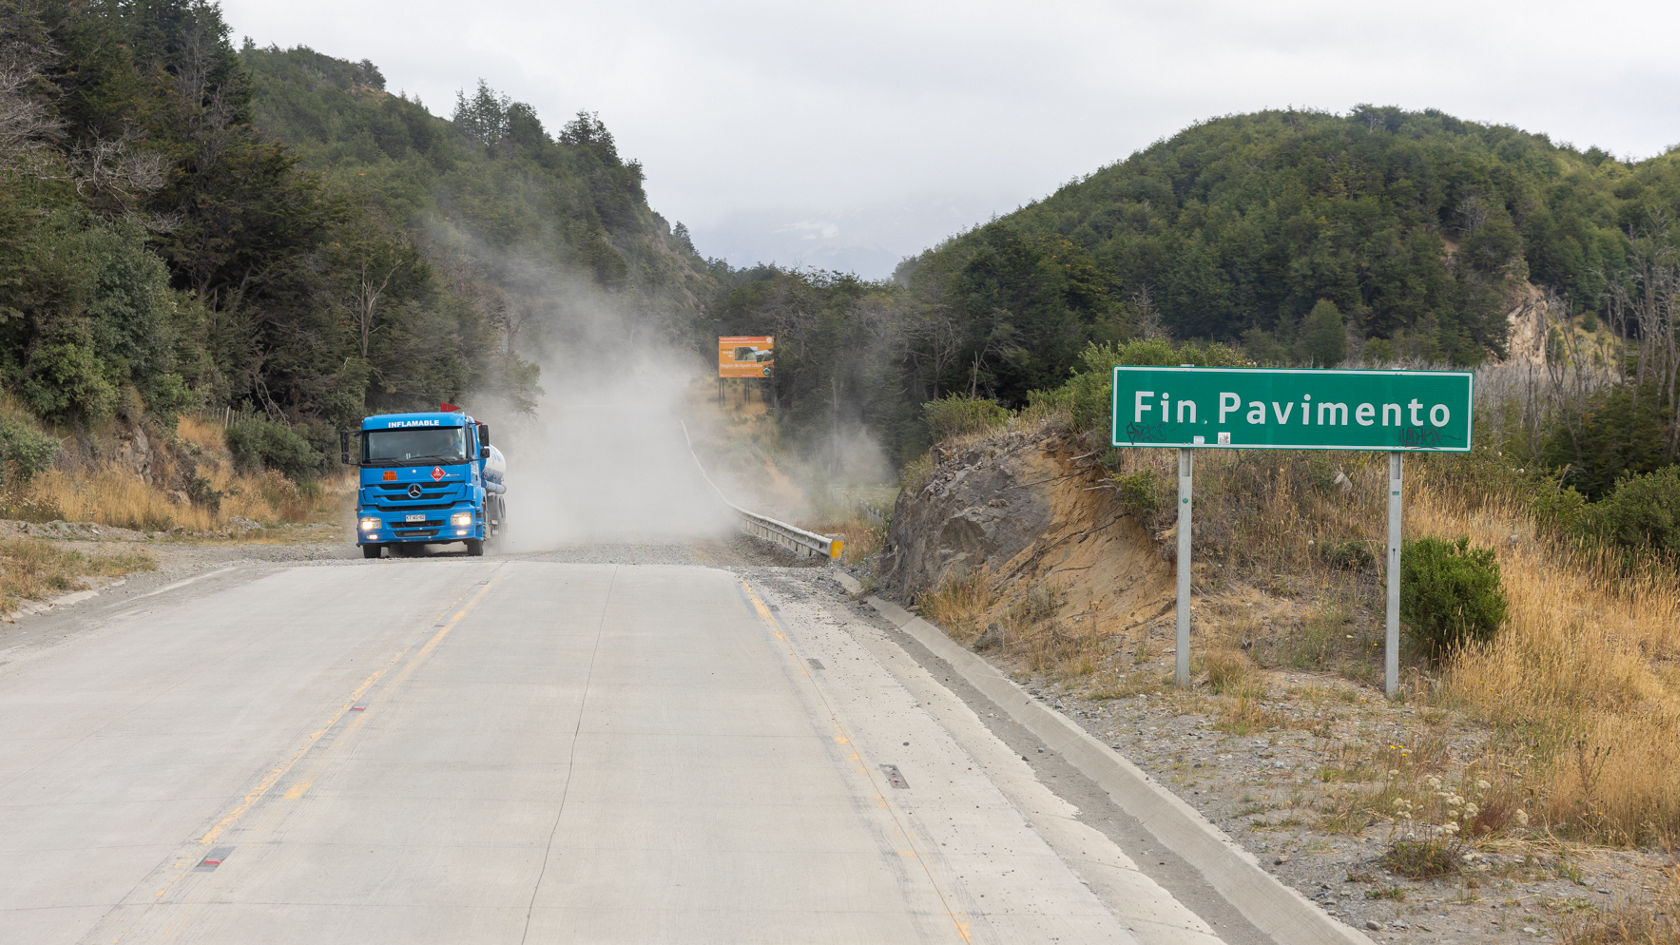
(414, 491)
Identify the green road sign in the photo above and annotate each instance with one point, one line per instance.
(1238, 408)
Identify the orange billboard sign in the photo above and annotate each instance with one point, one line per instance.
(746, 356)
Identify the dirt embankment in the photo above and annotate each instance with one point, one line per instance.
(1021, 509)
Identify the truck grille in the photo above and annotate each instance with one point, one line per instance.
(395, 495)
(412, 530)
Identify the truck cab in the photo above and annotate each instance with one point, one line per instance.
(423, 481)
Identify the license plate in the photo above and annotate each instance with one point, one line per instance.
(415, 518)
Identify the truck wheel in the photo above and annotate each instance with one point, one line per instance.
(475, 548)
(371, 551)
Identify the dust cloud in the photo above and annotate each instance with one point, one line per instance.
(602, 457)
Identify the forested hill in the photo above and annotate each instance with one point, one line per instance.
(489, 191)
(184, 224)
(1413, 226)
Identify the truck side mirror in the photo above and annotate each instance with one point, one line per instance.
(483, 435)
(344, 446)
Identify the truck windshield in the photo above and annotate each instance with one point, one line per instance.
(417, 445)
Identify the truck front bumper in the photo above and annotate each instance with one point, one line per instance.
(380, 527)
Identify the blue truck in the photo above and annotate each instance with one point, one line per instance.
(426, 478)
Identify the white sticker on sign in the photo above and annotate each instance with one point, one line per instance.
(1225, 439)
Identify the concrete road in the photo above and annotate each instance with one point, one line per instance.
(502, 751)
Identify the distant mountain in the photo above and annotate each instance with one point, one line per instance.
(1413, 226)
(868, 241)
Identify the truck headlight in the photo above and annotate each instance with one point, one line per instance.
(461, 519)
(370, 524)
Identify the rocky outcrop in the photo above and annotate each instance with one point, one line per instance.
(135, 448)
(1037, 521)
(1527, 321)
(985, 502)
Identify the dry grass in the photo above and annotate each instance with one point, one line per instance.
(1652, 919)
(961, 606)
(34, 569)
(1580, 680)
(1581, 686)
(118, 496)
(856, 516)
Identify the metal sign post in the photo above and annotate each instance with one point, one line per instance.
(1234, 408)
(1391, 640)
(1186, 467)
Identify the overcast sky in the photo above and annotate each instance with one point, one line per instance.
(850, 135)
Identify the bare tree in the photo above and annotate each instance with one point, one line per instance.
(113, 175)
(935, 342)
(27, 125)
(1149, 323)
(1643, 309)
(365, 299)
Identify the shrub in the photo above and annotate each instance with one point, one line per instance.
(1347, 555)
(1643, 512)
(1450, 594)
(23, 452)
(1089, 394)
(66, 381)
(1560, 509)
(167, 395)
(1621, 433)
(1144, 494)
(258, 443)
(955, 415)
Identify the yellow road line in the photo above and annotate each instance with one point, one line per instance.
(273, 777)
(184, 867)
(842, 737)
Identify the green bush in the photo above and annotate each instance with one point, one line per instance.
(1450, 594)
(258, 443)
(1620, 433)
(1089, 394)
(66, 381)
(23, 452)
(1643, 512)
(1560, 509)
(1144, 494)
(955, 415)
(1347, 555)
(167, 396)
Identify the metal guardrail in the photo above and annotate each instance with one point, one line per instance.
(788, 536)
(791, 537)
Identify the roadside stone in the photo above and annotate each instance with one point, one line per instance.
(990, 639)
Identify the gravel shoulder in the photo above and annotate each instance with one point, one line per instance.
(1275, 788)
